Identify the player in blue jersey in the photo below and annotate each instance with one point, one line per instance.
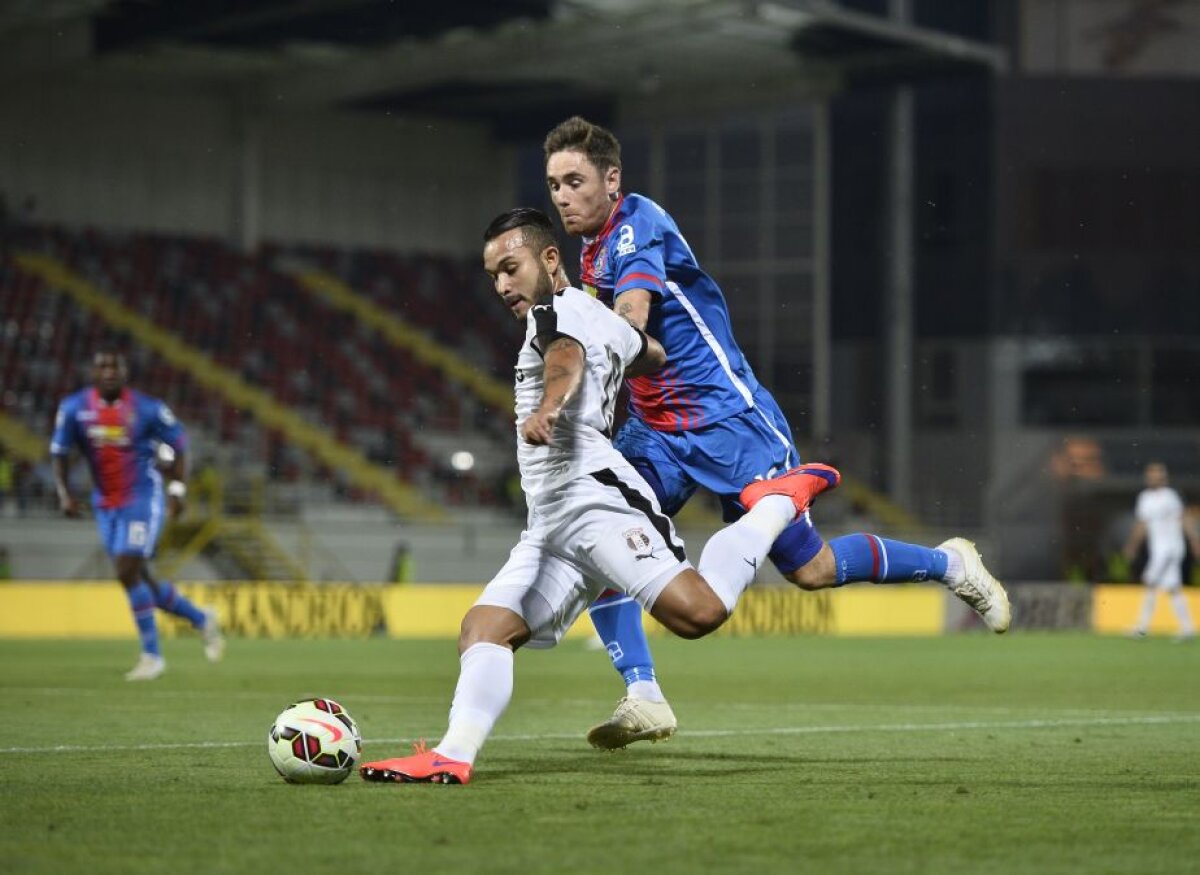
(118, 431)
(703, 420)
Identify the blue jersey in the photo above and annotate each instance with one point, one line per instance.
(119, 440)
(707, 378)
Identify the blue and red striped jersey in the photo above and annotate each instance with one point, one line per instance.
(707, 378)
(119, 440)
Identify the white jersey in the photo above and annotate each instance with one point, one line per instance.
(582, 441)
(1162, 511)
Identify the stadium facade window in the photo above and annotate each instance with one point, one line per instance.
(741, 189)
(938, 402)
(1133, 209)
(1101, 382)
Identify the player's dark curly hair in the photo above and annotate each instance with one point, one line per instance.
(539, 232)
(110, 349)
(577, 134)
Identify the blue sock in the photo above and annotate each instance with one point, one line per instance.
(618, 622)
(880, 560)
(141, 603)
(169, 599)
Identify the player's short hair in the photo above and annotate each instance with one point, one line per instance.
(110, 350)
(577, 134)
(534, 224)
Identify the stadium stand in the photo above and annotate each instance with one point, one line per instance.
(398, 370)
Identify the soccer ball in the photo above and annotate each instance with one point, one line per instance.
(314, 742)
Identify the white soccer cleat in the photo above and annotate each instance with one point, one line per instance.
(978, 588)
(148, 668)
(214, 641)
(634, 720)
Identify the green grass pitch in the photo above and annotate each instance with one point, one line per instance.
(1027, 753)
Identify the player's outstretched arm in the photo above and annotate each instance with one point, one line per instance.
(1193, 537)
(634, 307)
(66, 502)
(170, 431)
(177, 484)
(1135, 540)
(564, 360)
(652, 358)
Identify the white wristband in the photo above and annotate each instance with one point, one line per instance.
(177, 489)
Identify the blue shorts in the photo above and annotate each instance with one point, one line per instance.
(132, 530)
(723, 458)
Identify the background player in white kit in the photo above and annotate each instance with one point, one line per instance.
(1162, 525)
(594, 522)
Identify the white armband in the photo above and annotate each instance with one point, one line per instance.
(177, 489)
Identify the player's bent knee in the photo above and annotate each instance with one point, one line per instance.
(688, 607)
(707, 618)
(819, 573)
(487, 624)
(129, 569)
(691, 628)
(808, 581)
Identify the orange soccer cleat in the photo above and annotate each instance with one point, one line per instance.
(424, 766)
(801, 485)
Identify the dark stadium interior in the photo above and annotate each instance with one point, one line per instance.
(128, 25)
(1035, 223)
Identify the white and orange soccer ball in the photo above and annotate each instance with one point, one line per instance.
(314, 742)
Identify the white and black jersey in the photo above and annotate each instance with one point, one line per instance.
(1161, 510)
(594, 522)
(582, 436)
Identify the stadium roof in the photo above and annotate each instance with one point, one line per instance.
(476, 59)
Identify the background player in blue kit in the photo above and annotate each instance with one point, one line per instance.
(703, 420)
(118, 431)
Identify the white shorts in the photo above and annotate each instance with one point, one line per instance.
(604, 530)
(1164, 569)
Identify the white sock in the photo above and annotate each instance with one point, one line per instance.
(485, 686)
(771, 515)
(733, 555)
(1179, 603)
(955, 572)
(646, 690)
(1143, 622)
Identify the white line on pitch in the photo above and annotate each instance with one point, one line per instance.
(966, 725)
(248, 695)
(350, 699)
(1147, 720)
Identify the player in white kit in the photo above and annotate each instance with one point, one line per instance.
(1161, 523)
(593, 521)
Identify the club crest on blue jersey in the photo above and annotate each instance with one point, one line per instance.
(108, 435)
